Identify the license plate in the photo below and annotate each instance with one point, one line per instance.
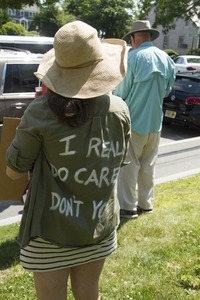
(170, 114)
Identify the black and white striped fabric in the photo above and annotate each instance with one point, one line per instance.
(41, 255)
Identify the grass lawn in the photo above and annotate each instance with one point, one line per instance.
(158, 256)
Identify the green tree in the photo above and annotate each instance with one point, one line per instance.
(11, 28)
(4, 17)
(110, 18)
(167, 11)
(4, 4)
(49, 20)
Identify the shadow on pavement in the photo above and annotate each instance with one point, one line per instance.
(178, 132)
(6, 204)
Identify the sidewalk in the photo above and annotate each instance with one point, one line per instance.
(10, 212)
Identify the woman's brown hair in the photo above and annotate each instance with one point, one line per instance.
(74, 112)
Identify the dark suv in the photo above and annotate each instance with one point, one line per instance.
(17, 81)
(182, 105)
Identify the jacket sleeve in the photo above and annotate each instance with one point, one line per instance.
(24, 149)
(171, 77)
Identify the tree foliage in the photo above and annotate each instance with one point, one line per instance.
(17, 4)
(113, 18)
(110, 18)
(11, 28)
(167, 11)
(49, 20)
(4, 17)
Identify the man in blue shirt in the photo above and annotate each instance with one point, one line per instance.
(150, 76)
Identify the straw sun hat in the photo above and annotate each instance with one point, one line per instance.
(80, 65)
(142, 25)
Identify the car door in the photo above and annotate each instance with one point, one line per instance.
(180, 65)
(183, 103)
(19, 88)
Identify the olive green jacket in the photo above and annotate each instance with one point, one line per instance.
(71, 200)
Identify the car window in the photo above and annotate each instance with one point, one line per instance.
(194, 60)
(179, 60)
(20, 78)
(176, 60)
(187, 85)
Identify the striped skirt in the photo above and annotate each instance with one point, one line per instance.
(43, 256)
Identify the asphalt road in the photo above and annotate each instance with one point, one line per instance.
(178, 157)
(173, 133)
(179, 153)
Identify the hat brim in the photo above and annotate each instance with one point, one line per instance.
(89, 81)
(154, 34)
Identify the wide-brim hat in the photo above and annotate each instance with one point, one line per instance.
(80, 65)
(142, 25)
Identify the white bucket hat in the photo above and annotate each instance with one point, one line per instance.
(80, 65)
(142, 25)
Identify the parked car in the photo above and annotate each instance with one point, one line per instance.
(35, 44)
(182, 105)
(17, 81)
(187, 63)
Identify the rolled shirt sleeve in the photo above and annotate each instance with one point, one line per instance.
(26, 145)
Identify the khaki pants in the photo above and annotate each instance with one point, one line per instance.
(142, 154)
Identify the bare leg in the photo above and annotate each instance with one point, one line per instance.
(51, 285)
(85, 280)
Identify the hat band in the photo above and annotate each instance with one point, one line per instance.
(87, 64)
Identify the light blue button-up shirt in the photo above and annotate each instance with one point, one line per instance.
(150, 76)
